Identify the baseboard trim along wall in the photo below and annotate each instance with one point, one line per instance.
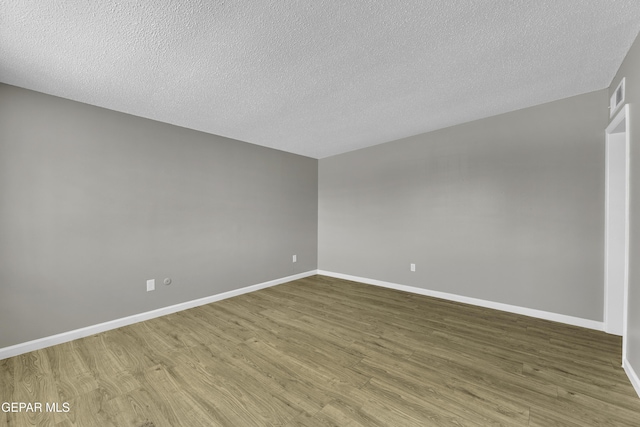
(569, 320)
(631, 373)
(40, 343)
(129, 320)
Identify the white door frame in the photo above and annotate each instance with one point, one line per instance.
(614, 128)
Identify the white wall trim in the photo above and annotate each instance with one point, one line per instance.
(129, 320)
(40, 343)
(625, 308)
(622, 115)
(570, 320)
(631, 373)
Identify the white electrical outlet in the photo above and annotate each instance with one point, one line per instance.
(413, 267)
(151, 285)
(295, 258)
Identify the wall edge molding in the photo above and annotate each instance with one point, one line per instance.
(631, 373)
(86, 331)
(540, 314)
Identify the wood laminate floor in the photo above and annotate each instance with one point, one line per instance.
(328, 352)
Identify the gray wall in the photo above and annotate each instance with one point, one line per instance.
(94, 202)
(630, 69)
(507, 209)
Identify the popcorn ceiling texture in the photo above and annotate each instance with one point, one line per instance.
(315, 77)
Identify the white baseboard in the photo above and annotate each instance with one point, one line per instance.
(40, 343)
(117, 323)
(570, 320)
(631, 373)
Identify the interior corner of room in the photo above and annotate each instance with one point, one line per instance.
(531, 212)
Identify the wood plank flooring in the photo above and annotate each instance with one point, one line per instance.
(328, 352)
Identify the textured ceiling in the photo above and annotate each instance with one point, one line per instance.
(315, 77)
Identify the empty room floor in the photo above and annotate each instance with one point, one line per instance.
(322, 352)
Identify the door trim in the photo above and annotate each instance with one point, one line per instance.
(622, 115)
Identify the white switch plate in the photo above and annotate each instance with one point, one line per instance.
(295, 258)
(151, 285)
(413, 267)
